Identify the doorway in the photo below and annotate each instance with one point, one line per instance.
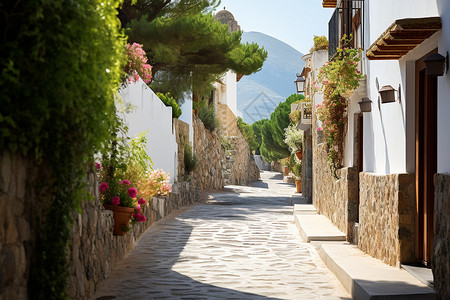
(426, 159)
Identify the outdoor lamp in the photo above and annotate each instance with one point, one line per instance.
(387, 94)
(365, 105)
(436, 64)
(300, 83)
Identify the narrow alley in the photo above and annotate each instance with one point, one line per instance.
(240, 244)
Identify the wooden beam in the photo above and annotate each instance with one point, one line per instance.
(396, 47)
(411, 35)
(412, 42)
(402, 36)
(387, 57)
(329, 3)
(389, 53)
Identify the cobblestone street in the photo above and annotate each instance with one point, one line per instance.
(241, 244)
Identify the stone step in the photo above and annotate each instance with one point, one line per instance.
(313, 227)
(304, 209)
(365, 277)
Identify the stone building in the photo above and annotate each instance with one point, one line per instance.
(391, 196)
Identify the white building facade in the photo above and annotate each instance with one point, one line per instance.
(395, 180)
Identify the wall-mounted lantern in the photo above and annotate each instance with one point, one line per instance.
(300, 84)
(387, 94)
(436, 64)
(365, 105)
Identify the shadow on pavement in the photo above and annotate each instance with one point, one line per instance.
(153, 277)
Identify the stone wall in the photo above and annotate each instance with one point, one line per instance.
(239, 168)
(441, 248)
(94, 250)
(207, 147)
(20, 209)
(276, 166)
(228, 121)
(387, 217)
(182, 136)
(307, 165)
(335, 198)
(262, 164)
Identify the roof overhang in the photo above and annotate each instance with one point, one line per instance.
(402, 36)
(329, 3)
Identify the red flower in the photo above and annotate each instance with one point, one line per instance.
(132, 192)
(103, 186)
(115, 200)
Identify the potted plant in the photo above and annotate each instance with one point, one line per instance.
(122, 199)
(297, 170)
(294, 140)
(295, 116)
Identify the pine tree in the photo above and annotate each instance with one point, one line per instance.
(189, 51)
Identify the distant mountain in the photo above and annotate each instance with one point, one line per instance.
(259, 94)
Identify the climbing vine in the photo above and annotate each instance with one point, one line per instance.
(61, 64)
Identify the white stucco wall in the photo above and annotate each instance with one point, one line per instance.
(186, 116)
(389, 128)
(443, 162)
(150, 114)
(228, 95)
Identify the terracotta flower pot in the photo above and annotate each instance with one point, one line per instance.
(121, 216)
(299, 154)
(298, 184)
(286, 171)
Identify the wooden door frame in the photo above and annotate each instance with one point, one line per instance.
(424, 168)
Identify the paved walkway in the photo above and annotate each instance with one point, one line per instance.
(242, 244)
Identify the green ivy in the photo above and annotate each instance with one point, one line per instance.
(61, 65)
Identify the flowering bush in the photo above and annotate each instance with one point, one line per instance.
(157, 183)
(333, 115)
(293, 138)
(122, 193)
(337, 77)
(342, 72)
(137, 64)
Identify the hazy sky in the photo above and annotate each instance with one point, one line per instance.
(294, 22)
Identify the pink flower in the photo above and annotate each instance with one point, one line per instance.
(103, 186)
(127, 182)
(98, 166)
(138, 207)
(139, 217)
(319, 129)
(132, 192)
(115, 200)
(141, 201)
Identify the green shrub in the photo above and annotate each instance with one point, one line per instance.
(248, 134)
(207, 114)
(190, 159)
(168, 100)
(226, 144)
(320, 43)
